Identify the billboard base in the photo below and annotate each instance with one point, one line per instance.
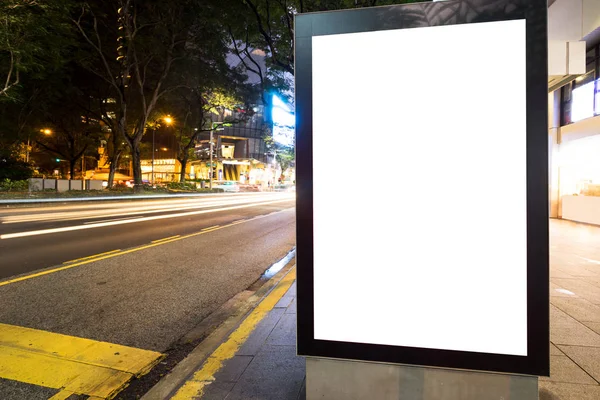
(355, 380)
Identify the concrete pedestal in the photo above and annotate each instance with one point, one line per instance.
(352, 380)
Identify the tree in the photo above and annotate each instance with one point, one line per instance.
(69, 136)
(136, 49)
(262, 33)
(34, 38)
(12, 168)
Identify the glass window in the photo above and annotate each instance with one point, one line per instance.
(582, 106)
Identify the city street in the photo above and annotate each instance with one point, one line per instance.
(133, 273)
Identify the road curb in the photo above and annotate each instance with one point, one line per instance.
(169, 384)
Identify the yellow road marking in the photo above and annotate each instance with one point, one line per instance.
(118, 253)
(62, 395)
(210, 227)
(167, 238)
(94, 256)
(194, 387)
(76, 365)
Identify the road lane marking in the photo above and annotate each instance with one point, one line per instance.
(62, 395)
(73, 364)
(77, 264)
(167, 238)
(210, 227)
(239, 221)
(194, 387)
(94, 256)
(129, 221)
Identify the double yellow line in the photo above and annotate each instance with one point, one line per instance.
(114, 253)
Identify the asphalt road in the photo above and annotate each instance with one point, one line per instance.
(33, 238)
(146, 298)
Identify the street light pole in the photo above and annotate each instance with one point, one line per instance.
(210, 170)
(153, 130)
(27, 152)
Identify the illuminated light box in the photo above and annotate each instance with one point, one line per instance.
(422, 185)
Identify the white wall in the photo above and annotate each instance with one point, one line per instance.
(581, 129)
(565, 20)
(591, 16)
(581, 209)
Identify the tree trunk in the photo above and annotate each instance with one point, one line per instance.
(137, 167)
(72, 168)
(183, 162)
(114, 164)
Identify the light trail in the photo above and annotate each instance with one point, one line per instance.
(130, 211)
(135, 220)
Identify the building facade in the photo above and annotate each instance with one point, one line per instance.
(574, 109)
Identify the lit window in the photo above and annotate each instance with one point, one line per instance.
(583, 102)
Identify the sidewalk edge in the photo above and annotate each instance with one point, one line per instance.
(185, 369)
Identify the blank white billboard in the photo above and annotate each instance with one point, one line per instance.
(419, 185)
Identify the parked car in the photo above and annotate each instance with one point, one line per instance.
(227, 186)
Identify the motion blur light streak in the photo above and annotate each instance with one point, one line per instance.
(129, 221)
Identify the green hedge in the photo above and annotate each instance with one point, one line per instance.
(8, 185)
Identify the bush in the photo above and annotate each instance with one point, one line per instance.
(13, 169)
(7, 185)
(181, 186)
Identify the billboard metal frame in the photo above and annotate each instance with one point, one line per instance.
(416, 15)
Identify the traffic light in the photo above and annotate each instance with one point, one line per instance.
(214, 172)
(58, 160)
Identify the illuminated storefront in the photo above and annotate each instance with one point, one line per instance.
(165, 170)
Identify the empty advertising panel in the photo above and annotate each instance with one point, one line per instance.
(422, 185)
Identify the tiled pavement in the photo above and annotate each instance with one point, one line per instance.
(267, 368)
(574, 313)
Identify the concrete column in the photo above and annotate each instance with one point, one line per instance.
(352, 380)
(553, 153)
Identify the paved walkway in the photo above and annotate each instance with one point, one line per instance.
(264, 365)
(574, 313)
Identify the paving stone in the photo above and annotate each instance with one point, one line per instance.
(261, 333)
(302, 394)
(555, 351)
(565, 330)
(587, 358)
(291, 308)
(568, 391)
(578, 308)
(276, 373)
(595, 326)
(217, 390)
(284, 302)
(580, 288)
(284, 333)
(559, 291)
(557, 272)
(14, 390)
(563, 369)
(233, 368)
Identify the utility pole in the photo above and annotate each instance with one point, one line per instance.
(210, 170)
(153, 130)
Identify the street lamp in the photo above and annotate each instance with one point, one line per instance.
(168, 121)
(45, 131)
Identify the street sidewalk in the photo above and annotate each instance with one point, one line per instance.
(258, 360)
